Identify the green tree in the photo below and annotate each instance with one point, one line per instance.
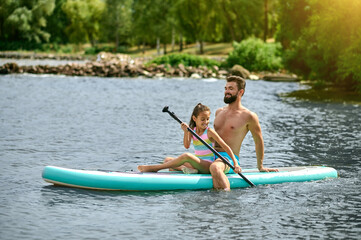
(242, 18)
(152, 22)
(25, 20)
(84, 17)
(327, 47)
(56, 24)
(342, 21)
(292, 19)
(194, 19)
(270, 18)
(117, 21)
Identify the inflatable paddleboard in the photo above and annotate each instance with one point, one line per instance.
(137, 181)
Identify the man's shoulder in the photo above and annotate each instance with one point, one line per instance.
(250, 114)
(245, 111)
(221, 109)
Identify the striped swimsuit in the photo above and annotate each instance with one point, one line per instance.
(201, 151)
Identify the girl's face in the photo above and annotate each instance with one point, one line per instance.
(202, 120)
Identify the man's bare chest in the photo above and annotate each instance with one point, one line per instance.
(227, 123)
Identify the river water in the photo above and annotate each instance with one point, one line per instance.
(117, 124)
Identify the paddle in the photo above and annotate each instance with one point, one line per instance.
(165, 109)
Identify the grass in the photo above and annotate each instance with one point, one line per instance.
(211, 50)
(214, 50)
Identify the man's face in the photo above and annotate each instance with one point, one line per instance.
(230, 92)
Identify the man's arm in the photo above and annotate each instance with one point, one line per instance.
(255, 128)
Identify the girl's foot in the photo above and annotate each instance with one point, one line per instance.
(189, 170)
(145, 168)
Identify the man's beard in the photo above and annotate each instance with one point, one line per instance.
(230, 99)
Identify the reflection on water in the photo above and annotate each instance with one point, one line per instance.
(111, 123)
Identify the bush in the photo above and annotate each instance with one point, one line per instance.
(256, 55)
(66, 49)
(19, 45)
(111, 49)
(185, 59)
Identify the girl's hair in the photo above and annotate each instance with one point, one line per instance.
(196, 111)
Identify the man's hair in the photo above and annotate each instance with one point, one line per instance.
(241, 83)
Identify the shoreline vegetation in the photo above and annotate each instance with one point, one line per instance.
(123, 65)
(273, 40)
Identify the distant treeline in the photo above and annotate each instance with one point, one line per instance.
(320, 39)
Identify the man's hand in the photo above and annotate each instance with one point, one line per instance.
(237, 169)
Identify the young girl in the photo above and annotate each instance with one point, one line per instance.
(203, 157)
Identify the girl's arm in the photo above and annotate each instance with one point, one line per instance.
(187, 135)
(214, 135)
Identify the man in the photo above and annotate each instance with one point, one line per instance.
(232, 123)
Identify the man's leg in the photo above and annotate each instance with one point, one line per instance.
(220, 180)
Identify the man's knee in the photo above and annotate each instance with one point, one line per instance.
(216, 168)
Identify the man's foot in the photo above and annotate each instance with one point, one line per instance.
(189, 170)
(145, 168)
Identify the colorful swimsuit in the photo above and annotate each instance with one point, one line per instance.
(201, 151)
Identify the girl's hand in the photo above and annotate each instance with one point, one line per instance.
(237, 169)
(184, 126)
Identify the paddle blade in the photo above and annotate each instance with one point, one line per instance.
(165, 109)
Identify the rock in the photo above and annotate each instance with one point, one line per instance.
(16, 55)
(180, 74)
(116, 69)
(253, 77)
(196, 75)
(281, 77)
(182, 68)
(170, 71)
(240, 71)
(109, 57)
(147, 74)
(222, 73)
(4, 70)
(159, 74)
(11, 68)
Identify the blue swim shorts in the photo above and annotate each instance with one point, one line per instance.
(227, 157)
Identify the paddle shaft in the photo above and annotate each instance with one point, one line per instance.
(208, 146)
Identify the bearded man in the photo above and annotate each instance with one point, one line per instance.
(232, 123)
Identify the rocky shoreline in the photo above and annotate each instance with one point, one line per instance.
(108, 69)
(121, 65)
(21, 55)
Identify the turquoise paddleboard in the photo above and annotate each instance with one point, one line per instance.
(137, 181)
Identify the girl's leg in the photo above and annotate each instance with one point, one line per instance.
(201, 165)
(180, 168)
